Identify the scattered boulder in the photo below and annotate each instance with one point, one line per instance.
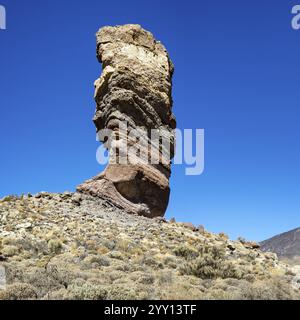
(25, 225)
(251, 245)
(160, 219)
(189, 225)
(76, 199)
(201, 229)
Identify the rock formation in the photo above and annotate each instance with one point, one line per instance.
(134, 93)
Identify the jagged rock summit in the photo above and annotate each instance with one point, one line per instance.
(134, 93)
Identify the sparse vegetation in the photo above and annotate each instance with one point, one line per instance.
(55, 246)
(186, 252)
(52, 248)
(211, 264)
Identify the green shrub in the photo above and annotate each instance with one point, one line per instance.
(86, 291)
(122, 292)
(9, 198)
(241, 240)
(18, 291)
(116, 255)
(97, 260)
(146, 279)
(165, 277)
(186, 252)
(10, 251)
(275, 289)
(55, 246)
(211, 264)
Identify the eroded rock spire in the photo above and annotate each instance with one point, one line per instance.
(134, 93)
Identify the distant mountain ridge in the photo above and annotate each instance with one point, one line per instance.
(286, 244)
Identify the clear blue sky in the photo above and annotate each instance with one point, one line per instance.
(237, 76)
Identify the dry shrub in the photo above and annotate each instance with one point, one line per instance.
(211, 264)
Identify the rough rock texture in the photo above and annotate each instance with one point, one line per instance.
(285, 245)
(75, 246)
(135, 87)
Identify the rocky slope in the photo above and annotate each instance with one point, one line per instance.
(285, 245)
(72, 246)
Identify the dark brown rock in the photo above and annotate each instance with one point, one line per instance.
(135, 88)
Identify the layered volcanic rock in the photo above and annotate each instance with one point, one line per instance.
(134, 120)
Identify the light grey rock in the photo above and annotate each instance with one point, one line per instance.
(25, 225)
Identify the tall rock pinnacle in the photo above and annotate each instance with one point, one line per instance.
(134, 120)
